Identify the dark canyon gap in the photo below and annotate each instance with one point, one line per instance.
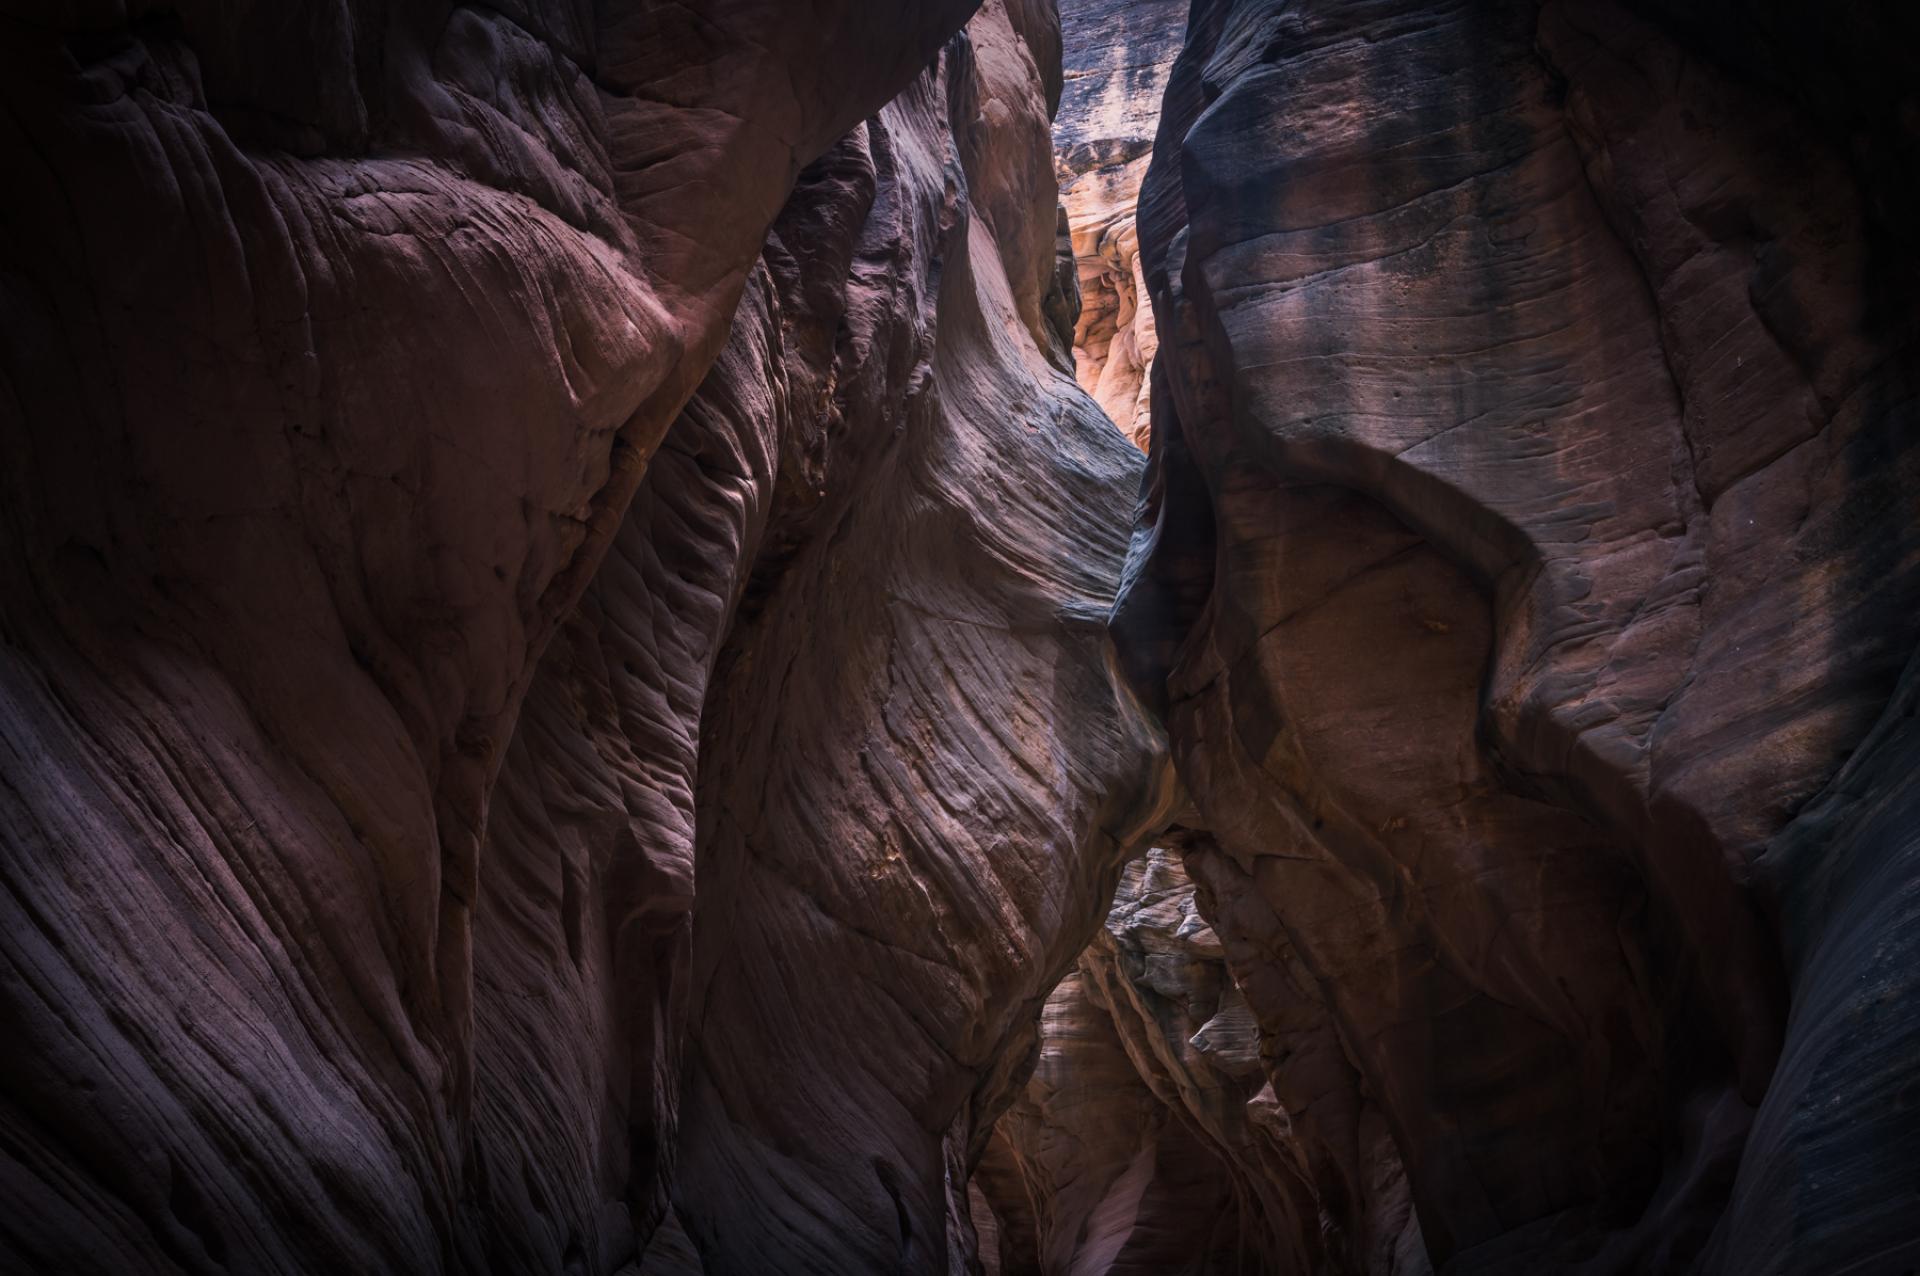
(587, 687)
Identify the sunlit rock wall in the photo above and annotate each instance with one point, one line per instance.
(1118, 56)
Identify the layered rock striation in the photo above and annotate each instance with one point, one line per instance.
(575, 695)
(364, 640)
(1526, 569)
(899, 849)
(1118, 56)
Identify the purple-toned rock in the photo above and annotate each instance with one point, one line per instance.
(337, 346)
(1148, 1139)
(1529, 541)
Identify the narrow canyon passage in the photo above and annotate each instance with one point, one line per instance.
(986, 637)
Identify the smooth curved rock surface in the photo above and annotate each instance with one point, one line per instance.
(574, 690)
(1529, 539)
(795, 746)
(337, 343)
(896, 847)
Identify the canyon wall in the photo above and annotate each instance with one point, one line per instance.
(1118, 56)
(1528, 564)
(575, 695)
(367, 905)
(796, 741)
(918, 780)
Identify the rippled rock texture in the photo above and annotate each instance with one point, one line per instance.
(917, 778)
(574, 690)
(1528, 563)
(434, 803)
(1118, 56)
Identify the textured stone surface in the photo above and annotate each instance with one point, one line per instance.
(556, 703)
(1118, 56)
(917, 779)
(1148, 1139)
(337, 342)
(892, 523)
(1530, 536)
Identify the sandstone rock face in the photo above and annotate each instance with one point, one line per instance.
(899, 848)
(337, 346)
(1118, 56)
(574, 690)
(1529, 541)
(1147, 1139)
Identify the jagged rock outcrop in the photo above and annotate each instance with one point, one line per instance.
(1118, 56)
(1529, 542)
(337, 345)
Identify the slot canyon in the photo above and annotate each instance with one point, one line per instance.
(980, 637)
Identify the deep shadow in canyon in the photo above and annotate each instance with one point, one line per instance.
(965, 636)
